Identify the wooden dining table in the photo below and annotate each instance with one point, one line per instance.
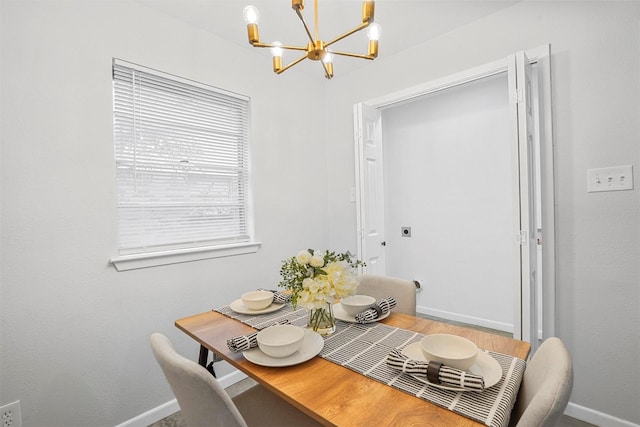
(335, 395)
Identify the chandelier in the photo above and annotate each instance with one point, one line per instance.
(316, 49)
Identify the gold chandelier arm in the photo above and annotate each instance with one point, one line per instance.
(304, 24)
(258, 44)
(354, 55)
(315, 18)
(347, 34)
(295, 48)
(282, 70)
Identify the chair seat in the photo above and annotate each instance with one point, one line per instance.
(257, 406)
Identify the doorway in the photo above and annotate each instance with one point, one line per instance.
(478, 225)
(449, 201)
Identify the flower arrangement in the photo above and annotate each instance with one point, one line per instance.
(315, 278)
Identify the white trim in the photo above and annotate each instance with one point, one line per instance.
(594, 417)
(462, 318)
(153, 415)
(456, 79)
(432, 86)
(232, 378)
(171, 407)
(153, 259)
(540, 55)
(357, 139)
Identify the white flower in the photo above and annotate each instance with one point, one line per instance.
(316, 278)
(303, 257)
(316, 261)
(310, 285)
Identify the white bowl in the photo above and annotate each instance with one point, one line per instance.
(450, 350)
(257, 300)
(356, 304)
(280, 340)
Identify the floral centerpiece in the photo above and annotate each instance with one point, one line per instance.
(316, 279)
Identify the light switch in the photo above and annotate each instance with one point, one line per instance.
(615, 178)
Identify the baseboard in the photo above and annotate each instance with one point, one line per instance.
(171, 407)
(461, 318)
(596, 418)
(232, 378)
(156, 414)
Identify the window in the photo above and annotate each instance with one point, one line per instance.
(182, 169)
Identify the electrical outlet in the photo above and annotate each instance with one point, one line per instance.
(610, 179)
(10, 415)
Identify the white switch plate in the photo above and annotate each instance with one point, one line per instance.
(615, 178)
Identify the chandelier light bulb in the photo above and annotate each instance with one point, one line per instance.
(374, 31)
(250, 14)
(276, 49)
(328, 58)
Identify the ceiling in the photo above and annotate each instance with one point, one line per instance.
(405, 23)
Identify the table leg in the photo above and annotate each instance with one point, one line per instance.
(202, 360)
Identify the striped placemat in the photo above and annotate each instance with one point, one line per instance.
(364, 348)
(295, 317)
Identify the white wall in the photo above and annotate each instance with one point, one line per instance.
(74, 332)
(595, 89)
(449, 176)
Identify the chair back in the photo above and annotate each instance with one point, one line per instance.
(404, 291)
(202, 400)
(546, 386)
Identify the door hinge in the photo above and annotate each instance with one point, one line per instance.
(517, 95)
(523, 237)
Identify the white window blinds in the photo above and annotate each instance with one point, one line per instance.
(182, 163)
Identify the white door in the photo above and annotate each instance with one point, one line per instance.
(523, 121)
(370, 188)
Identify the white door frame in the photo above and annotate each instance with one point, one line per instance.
(541, 56)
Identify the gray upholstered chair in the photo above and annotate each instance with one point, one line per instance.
(404, 291)
(203, 401)
(546, 386)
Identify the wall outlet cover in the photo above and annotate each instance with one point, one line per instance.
(614, 178)
(10, 415)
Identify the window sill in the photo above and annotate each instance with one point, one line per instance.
(154, 259)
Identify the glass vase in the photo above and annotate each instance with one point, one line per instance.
(321, 320)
